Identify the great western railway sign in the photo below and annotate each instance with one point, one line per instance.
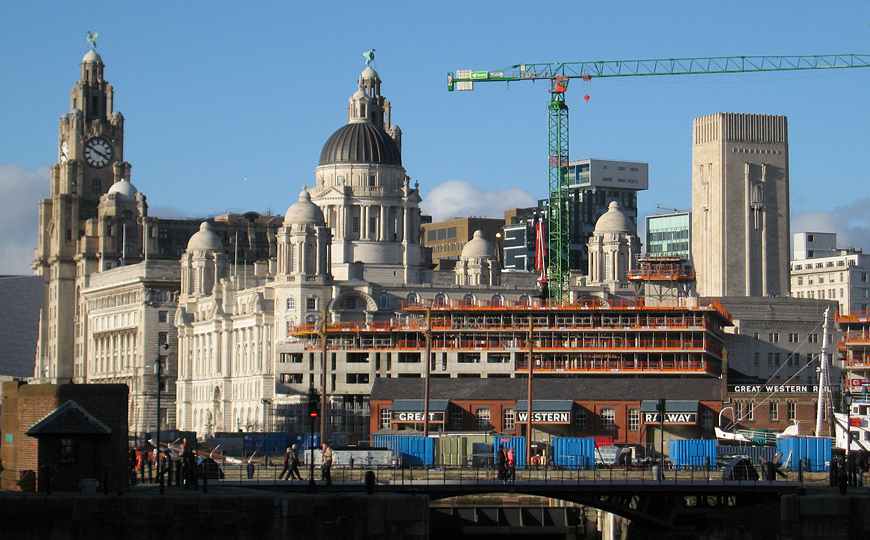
(545, 417)
(777, 388)
(671, 418)
(411, 416)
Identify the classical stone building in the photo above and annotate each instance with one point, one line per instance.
(348, 249)
(110, 271)
(740, 205)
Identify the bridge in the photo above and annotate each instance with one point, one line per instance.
(680, 502)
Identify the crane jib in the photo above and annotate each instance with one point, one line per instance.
(558, 233)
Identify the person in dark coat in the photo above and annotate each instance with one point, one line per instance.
(294, 464)
(501, 462)
(286, 467)
(860, 467)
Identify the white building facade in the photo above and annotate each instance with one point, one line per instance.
(822, 271)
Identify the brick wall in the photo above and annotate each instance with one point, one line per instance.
(100, 457)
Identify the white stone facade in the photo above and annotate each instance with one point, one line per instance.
(841, 275)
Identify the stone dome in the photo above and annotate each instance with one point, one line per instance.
(614, 220)
(124, 191)
(478, 248)
(369, 73)
(304, 211)
(205, 239)
(360, 142)
(92, 57)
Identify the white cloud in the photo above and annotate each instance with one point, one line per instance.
(850, 222)
(457, 198)
(20, 192)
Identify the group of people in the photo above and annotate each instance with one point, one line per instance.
(181, 471)
(506, 464)
(291, 465)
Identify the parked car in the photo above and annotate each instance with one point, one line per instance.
(208, 465)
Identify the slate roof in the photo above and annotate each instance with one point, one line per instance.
(69, 419)
(575, 388)
(21, 297)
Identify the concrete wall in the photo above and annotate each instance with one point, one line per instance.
(224, 513)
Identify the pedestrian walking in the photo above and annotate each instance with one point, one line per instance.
(326, 466)
(501, 462)
(511, 472)
(294, 464)
(286, 467)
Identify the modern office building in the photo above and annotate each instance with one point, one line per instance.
(823, 271)
(593, 184)
(447, 238)
(669, 235)
(740, 205)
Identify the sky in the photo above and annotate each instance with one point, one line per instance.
(228, 104)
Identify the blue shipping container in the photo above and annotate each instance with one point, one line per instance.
(517, 443)
(686, 454)
(265, 443)
(414, 450)
(574, 452)
(303, 440)
(815, 452)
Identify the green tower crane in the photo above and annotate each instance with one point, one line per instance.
(559, 74)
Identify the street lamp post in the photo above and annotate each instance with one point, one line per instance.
(158, 371)
(850, 466)
(313, 410)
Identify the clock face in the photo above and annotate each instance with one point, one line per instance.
(64, 151)
(98, 153)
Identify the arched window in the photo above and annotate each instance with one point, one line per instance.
(440, 300)
(497, 300)
(524, 300)
(384, 301)
(412, 299)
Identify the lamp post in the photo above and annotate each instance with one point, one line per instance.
(313, 410)
(850, 467)
(158, 371)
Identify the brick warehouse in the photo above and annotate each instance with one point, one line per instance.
(71, 431)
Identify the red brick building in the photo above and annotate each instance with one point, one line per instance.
(620, 408)
(68, 431)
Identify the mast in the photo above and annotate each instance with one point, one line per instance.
(823, 374)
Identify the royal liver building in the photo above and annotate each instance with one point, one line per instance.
(215, 302)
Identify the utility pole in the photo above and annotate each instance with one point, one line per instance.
(323, 377)
(426, 370)
(529, 388)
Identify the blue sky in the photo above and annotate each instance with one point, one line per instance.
(227, 104)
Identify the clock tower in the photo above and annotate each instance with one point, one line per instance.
(74, 241)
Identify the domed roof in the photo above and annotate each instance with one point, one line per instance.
(369, 73)
(204, 239)
(92, 57)
(360, 142)
(123, 190)
(304, 211)
(478, 248)
(614, 220)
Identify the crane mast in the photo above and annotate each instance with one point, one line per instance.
(559, 74)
